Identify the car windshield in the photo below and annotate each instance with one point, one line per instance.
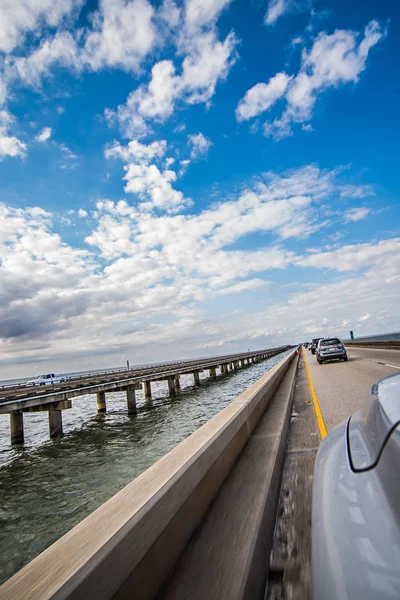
(332, 342)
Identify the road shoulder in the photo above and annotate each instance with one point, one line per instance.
(290, 563)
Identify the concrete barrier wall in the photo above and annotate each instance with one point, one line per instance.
(128, 546)
(384, 344)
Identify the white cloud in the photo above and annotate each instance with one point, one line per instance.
(61, 50)
(355, 257)
(200, 145)
(207, 61)
(123, 34)
(135, 150)
(199, 13)
(307, 127)
(3, 91)
(9, 144)
(44, 135)
(82, 213)
(19, 18)
(241, 286)
(276, 8)
(356, 214)
(356, 191)
(153, 186)
(333, 60)
(160, 268)
(261, 97)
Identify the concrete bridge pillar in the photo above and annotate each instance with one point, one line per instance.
(213, 374)
(196, 378)
(177, 382)
(101, 402)
(171, 386)
(55, 422)
(17, 427)
(131, 400)
(147, 389)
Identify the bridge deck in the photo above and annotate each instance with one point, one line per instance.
(20, 397)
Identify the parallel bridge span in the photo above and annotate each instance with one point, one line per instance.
(21, 399)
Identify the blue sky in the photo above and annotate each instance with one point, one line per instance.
(194, 177)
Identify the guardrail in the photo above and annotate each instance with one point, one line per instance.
(384, 344)
(128, 546)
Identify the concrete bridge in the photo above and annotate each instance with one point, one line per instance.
(18, 400)
(226, 514)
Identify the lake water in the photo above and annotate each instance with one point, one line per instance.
(49, 486)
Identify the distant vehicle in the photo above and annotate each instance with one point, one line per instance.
(330, 349)
(46, 379)
(314, 343)
(355, 509)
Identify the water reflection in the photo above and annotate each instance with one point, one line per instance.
(49, 486)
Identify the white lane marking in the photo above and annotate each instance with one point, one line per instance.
(393, 366)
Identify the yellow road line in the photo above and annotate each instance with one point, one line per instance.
(320, 418)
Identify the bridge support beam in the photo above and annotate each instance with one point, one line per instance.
(213, 374)
(131, 400)
(55, 422)
(177, 382)
(147, 389)
(196, 378)
(171, 386)
(101, 402)
(17, 427)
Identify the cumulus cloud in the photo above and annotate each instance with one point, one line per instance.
(9, 144)
(44, 135)
(207, 61)
(203, 12)
(355, 257)
(199, 144)
(333, 60)
(82, 213)
(153, 270)
(121, 35)
(262, 96)
(151, 184)
(19, 18)
(137, 151)
(276, 8)
(356, 214)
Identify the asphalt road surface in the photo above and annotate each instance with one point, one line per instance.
(341, 387)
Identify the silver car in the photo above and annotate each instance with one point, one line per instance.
(356, 503)
(330, 349)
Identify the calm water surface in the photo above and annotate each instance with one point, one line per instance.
(49, 486)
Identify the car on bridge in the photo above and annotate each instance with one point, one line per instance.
(48, 378)
(356, 509)
(313, 347)
(330, 349)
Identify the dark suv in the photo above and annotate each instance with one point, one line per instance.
(330, 349)
(314, 344)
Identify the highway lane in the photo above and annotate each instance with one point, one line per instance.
(341, 387)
